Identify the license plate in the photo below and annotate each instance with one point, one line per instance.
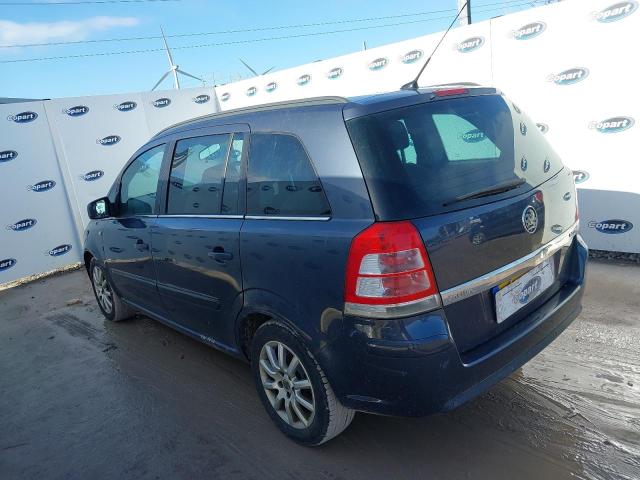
(515, 295)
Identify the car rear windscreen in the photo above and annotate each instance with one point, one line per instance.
(427, 158)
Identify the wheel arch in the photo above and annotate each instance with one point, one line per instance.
(251, 318)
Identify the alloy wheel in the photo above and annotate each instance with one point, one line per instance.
(287, 384)
(103, 290)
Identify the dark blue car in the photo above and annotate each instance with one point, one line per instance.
(395, 254)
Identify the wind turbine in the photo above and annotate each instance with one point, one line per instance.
(253, 71)
(174, 69)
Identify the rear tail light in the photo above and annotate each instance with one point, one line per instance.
(389, 273)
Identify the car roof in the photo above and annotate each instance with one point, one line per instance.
(352, 107)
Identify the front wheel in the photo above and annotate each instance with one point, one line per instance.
(294, 389)
(111, 306)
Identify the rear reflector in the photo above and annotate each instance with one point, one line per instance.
(451, 91)
(388, 273)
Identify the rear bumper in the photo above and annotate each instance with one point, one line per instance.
(411, 367)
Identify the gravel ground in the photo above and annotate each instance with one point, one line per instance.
(84, 398)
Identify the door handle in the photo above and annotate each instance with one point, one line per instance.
(220, 256)
(140, 245)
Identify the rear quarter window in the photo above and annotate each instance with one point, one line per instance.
(281, 180)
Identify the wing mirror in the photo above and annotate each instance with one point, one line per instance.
(100, 208)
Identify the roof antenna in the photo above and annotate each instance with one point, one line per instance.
(413, 85)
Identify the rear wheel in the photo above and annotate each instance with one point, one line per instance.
(111, 306)
(294, 389)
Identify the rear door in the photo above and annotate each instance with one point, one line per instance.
(482, 186)
(196, 241)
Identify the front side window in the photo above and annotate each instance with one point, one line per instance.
(197, 175)
(140, 182)
(281, 180)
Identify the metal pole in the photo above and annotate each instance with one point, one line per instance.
(465, 16)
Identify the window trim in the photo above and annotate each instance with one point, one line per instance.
(159, 183)
(291, 217)
(284, 217)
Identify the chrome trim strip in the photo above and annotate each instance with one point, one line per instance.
(395, 310)
(274, 217)
(477, 285)
(201, 216)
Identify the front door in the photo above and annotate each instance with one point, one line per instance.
(197, 241)
(127, 237)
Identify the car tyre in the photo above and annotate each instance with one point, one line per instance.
(293, 388)
(111, 305)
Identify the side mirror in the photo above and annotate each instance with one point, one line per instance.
(100, 208)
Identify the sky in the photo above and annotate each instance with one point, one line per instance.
(254, 24)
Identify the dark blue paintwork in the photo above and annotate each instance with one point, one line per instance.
(169, 267)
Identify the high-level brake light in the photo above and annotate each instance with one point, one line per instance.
(451, 91)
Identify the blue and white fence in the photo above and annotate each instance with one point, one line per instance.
(570, 65)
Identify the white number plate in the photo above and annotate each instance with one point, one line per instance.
(517, 294)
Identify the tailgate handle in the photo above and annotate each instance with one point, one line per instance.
(220, 256)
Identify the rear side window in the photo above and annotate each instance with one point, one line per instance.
(281, 180)
(197, 175)
(420, 159)
(140, 182)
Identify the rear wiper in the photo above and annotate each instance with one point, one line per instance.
(500, 188)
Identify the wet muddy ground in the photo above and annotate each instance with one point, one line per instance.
(84, 398)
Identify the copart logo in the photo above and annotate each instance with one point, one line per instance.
(8, 155)
(569, 77)
(529, 31)
(616, 12)
(202, 98)
(42, 186)
(162, 102)
(580, 176)
(543, 127)
(613, 124)
(225, 96)
(530, 289)
(470, 44)
(270, 87)
(611, 226)
(92, 175)
(473, 136)
(335, 73)
(76, 111)
(109, 140)
(251, 91)
(24, 117)
(24, 224)
(126, 106)
(378, 64)
(59, 250)
(7, 263)
(412, 57)
(304, 80)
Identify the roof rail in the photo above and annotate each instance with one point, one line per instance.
(328, 100)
